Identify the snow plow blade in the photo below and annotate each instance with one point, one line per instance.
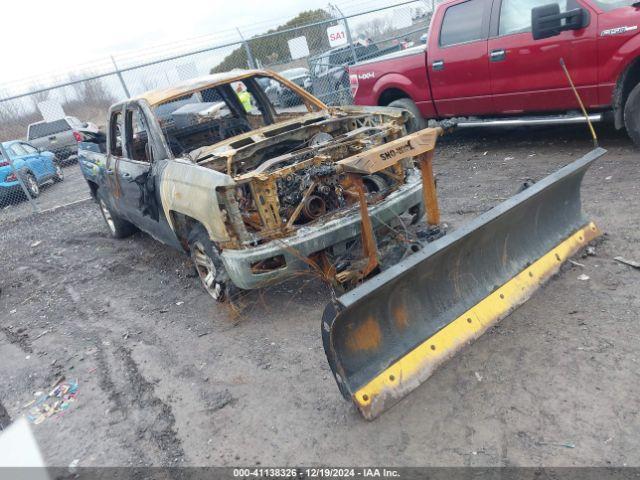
(387, 336)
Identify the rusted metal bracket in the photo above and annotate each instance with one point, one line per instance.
(369, 246)
(429, 195)
(390, 153)
(421, 146)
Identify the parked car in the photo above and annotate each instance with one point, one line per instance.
(329, 70)
(33, 166)
(283, 96)
(476, 66)
(250, 194)
(61, 136)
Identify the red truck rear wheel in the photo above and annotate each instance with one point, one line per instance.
(632, 115)
(416, 122)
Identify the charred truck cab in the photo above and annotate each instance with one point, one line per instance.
(253, 191)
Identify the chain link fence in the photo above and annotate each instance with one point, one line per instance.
(43, 119)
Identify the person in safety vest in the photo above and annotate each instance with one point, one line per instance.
(244, 96)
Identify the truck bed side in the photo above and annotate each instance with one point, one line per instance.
(388, 78)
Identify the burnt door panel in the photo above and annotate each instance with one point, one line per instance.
(141, 200)
(139, 180)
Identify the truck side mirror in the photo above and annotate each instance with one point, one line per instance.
(547, 21)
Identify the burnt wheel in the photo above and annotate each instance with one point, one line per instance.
(209, 266)
(118, 227)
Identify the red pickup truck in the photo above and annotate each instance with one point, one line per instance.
(498, 62)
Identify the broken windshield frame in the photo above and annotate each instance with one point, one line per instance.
(218, 113)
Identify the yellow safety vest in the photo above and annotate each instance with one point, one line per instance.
(245, 99)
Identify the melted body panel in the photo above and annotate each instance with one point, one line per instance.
(191, 190)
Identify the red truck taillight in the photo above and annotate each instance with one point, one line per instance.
(4, 164)
(77, 136)
(353, 84)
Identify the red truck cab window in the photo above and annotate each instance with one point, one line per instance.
(462, 23)
(526, 76)
(515, 15)
(458, 65)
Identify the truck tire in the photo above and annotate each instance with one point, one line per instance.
(206, 259)
(417, 122)
(632, 115)
(118, 227)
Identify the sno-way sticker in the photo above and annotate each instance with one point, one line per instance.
(618, 30)
(399, 150)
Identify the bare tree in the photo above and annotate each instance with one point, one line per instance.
(149, 83)
(39, 95)
(97, 91)
(375, 28)
(88, 100)
(13, 117)
(93, 92)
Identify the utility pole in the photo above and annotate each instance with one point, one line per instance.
(348, 30)
(119, 73)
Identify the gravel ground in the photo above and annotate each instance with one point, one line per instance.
(166, 377)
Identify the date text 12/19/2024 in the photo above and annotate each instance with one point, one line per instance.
(315, 472)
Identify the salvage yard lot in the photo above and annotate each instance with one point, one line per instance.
(72, 189)
(167, 377)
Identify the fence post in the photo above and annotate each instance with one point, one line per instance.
(346, 27)
(4, 154)
(250, 60)
(119, 73)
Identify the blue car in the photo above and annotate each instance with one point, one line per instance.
(35, 167)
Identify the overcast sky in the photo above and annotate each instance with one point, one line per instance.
(44, 36)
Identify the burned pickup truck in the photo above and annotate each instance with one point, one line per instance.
(252, 191)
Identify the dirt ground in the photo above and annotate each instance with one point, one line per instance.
(166, 377)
